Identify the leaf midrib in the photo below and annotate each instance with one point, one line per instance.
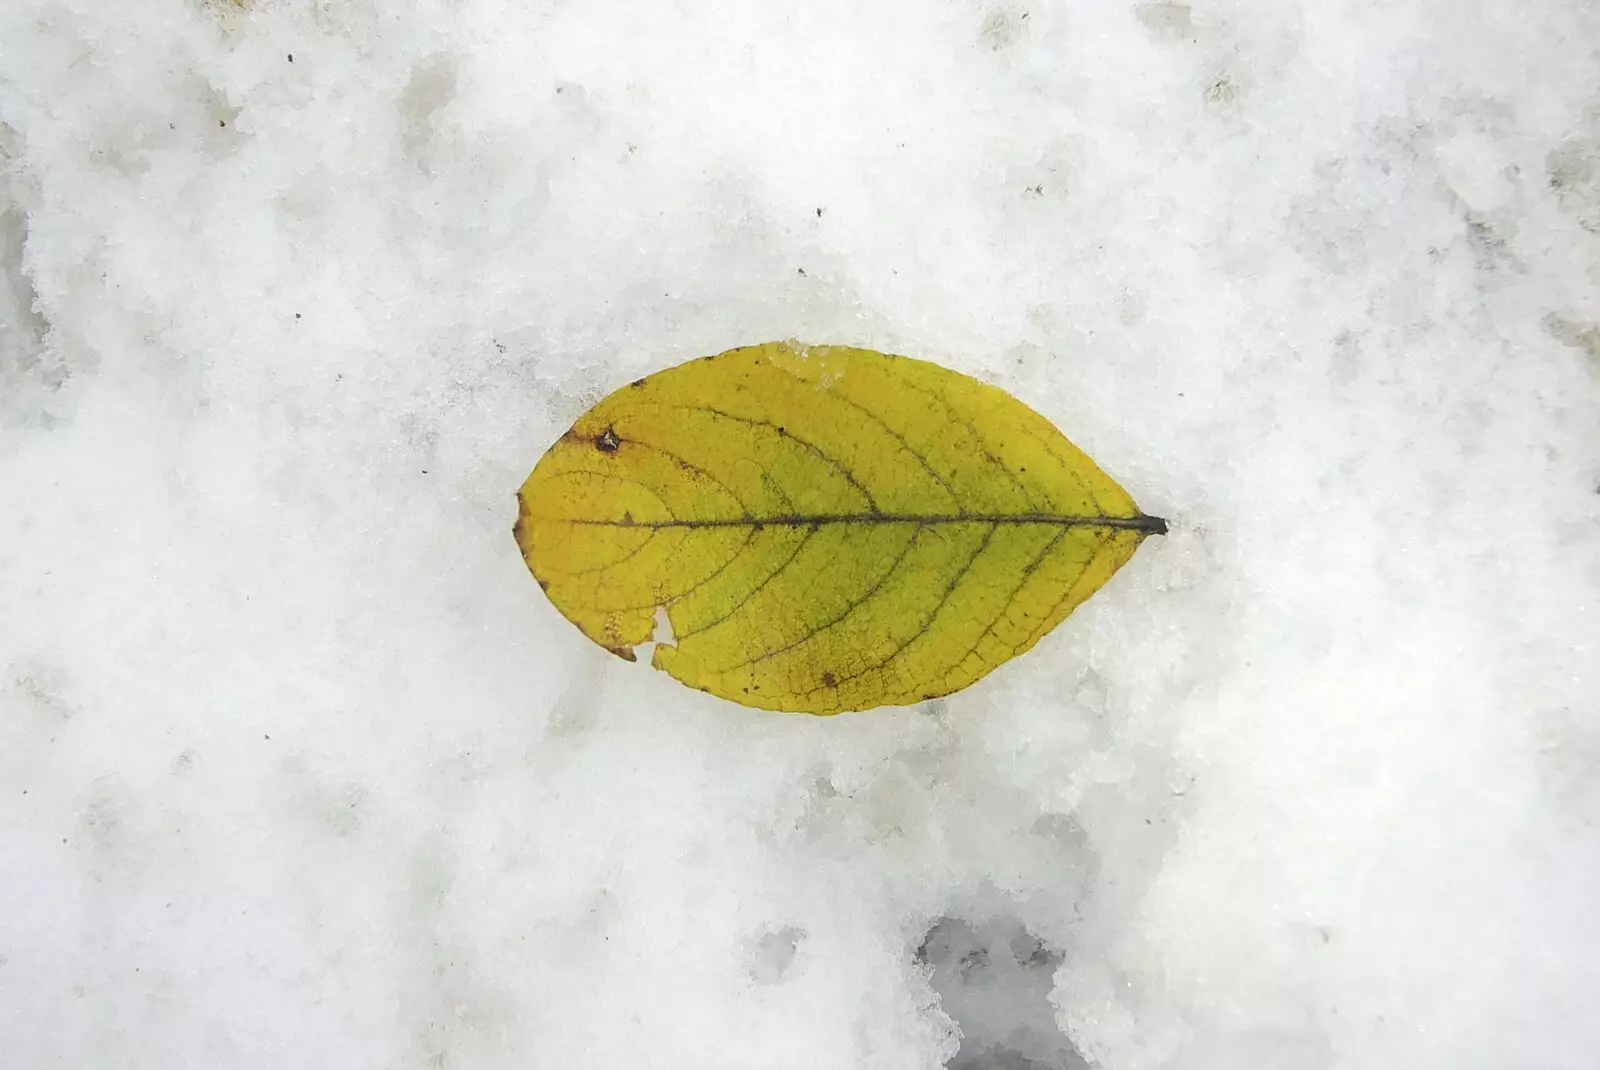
(1150, 525)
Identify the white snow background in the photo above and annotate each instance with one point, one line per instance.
(299, 769)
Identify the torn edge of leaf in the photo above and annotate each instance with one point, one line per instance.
(662, 635)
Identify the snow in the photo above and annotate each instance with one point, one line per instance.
(298, 768)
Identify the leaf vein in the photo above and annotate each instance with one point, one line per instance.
(696, 585)
(909, 448)
(629, 556)
(1022, 581)
(977, 436)
(851, 608)
(1149, 525)
(691, 466)
(786, 433)
(755, 590)
(1043, 626)
(927, 622)
(737, 553)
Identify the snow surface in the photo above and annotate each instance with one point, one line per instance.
(298, 769)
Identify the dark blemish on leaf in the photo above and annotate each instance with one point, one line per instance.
(607, 441)
(544, 585)
(623, 652)
(627, 519)
(815, 526)
(828, 679)
(782, 430)
(637, 382)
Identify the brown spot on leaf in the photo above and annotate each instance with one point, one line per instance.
(607, 441)
(623, 652)
(828, 679)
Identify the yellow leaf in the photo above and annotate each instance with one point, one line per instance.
(827, 528)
